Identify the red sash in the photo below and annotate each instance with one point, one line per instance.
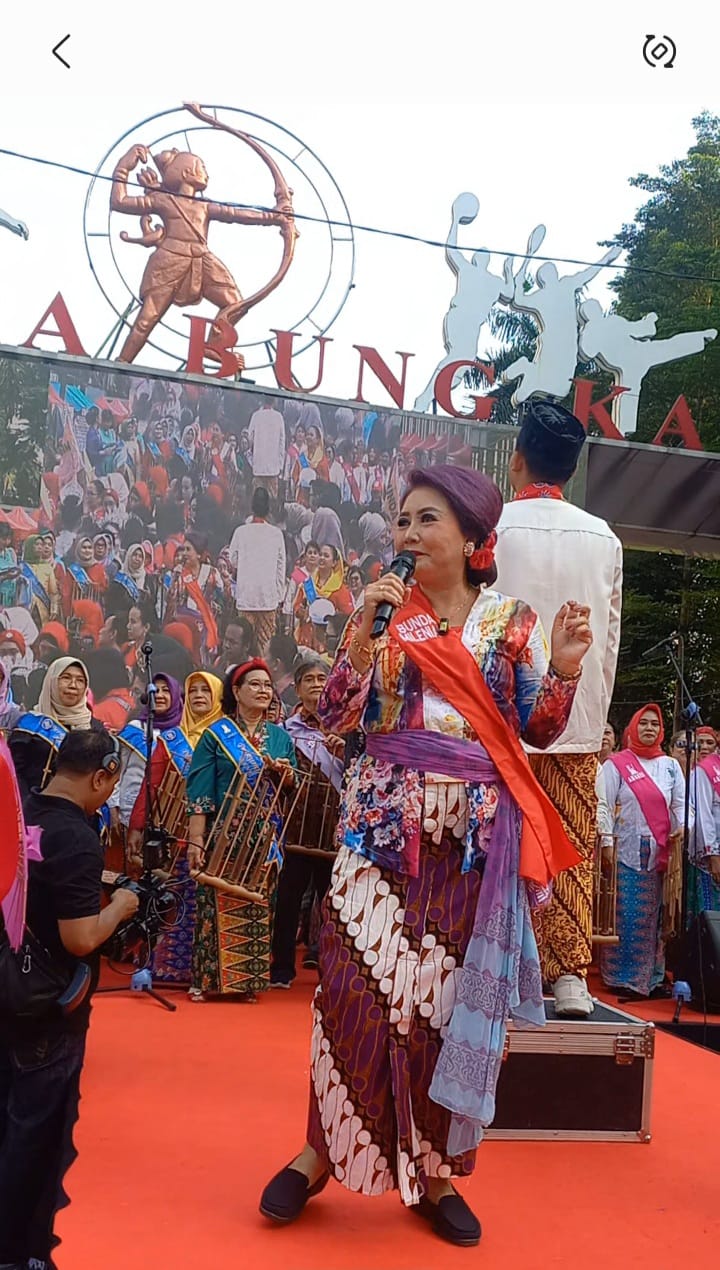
(711, 767)
(650, 799)
(545, 849)
(194, 590)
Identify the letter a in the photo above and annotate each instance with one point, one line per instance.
(65, 329)
(680, 423)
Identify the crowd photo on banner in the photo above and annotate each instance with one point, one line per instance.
(440, 787)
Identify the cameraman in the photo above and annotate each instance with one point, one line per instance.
(41, 1058)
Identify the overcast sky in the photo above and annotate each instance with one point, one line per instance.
(544, 119)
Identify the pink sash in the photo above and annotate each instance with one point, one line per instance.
(651, 800)
(711, 767)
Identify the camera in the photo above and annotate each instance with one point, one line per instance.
(158, 910)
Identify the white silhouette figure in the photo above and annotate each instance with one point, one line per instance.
(15, 226)
(627, 349)
(553, 304)
(476, 292)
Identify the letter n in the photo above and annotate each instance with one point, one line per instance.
(394, 387)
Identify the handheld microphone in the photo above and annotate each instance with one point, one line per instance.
(403, 566)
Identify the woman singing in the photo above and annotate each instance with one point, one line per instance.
(446, 840)
(646, 789)
(240, 742)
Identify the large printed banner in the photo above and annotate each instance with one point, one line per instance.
(212, 517)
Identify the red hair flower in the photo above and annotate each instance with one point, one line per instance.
(484, 556)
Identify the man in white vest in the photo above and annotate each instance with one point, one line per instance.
(548, 550)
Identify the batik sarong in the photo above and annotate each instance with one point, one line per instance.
(564, 927)
(391, 950)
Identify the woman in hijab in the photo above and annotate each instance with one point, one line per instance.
(329, 579)
(130, 584)
(76, 582)
(173, 752)
(327, 582)
(376, 537)
(646, 789)
(168, 713)
(9, 712)
(38, 574)
(62, 708)
(316, 452)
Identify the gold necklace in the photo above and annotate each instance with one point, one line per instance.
(465, 603)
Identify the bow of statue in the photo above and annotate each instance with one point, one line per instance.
(182, 270)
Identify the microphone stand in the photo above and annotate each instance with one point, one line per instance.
(691, 718)
(152, 835)
(141, 980)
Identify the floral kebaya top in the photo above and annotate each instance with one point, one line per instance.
(382, 805)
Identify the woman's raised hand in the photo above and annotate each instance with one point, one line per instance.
(571, 637)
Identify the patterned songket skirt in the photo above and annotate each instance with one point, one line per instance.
(637, 963)
(390, 952)
(231, 949)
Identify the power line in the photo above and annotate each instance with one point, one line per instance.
(375, 229)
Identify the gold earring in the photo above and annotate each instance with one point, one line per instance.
(468, 549)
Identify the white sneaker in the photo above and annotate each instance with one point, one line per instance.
(572, 999)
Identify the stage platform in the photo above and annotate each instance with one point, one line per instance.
(184, 1117)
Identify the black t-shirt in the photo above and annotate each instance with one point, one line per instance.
(66, 884)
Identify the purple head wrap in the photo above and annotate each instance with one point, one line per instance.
(475, 500)
(172, 716)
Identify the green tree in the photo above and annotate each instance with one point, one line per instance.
(23, 414)
(663, 594)
(677, 232)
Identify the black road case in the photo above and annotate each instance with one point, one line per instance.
(577, 1079)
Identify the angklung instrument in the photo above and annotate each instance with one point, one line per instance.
(604, 921)
(311, 823)
(243, 852)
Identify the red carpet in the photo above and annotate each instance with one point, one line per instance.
(185, 1116)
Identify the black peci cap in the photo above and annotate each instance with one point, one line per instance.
(551, 440)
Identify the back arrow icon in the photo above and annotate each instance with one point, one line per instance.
(59, 46)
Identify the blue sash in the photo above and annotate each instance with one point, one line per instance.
(248, 761)
(154, 449)
(126, 581)
(303, 460)
(237, 747)
(36, 586)
(134, 737)
(309, 588)
(183, 454)
(78, 573)
(179, 749)
(43, 726)
(103, 816)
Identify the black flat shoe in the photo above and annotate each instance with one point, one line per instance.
(286, 1195)
(451, 1219)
